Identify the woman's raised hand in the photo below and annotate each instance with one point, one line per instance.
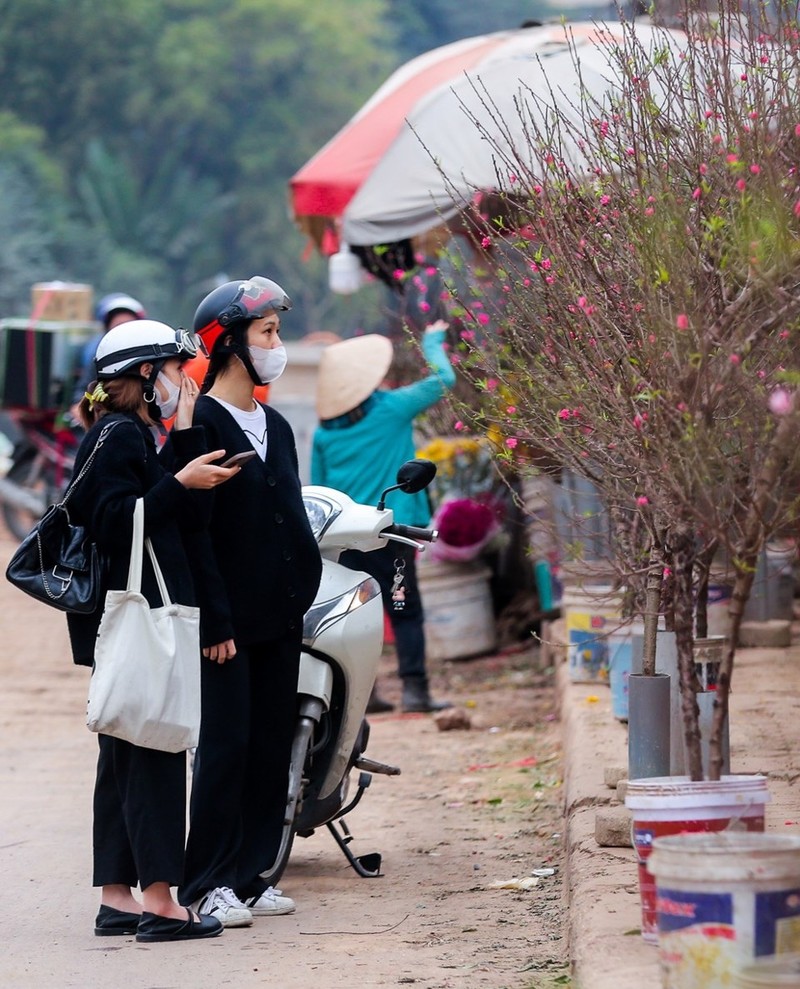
(201, 473)
(186, 401)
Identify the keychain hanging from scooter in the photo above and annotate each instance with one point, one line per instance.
(398, 591)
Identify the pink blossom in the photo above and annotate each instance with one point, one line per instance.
(486, 242)
(731, 159)
(467, 335)
(755, 169)
(735, 359)
(797, 130)
(784, 334)
(512, 178)
(697, 193)
(780, 402)
(741, 185)
(605, 200)
(511, 442)
(703, 168)
(796, 208)
(483, 318)
(511, 410)
(538, 190)
(491, 384)
(582, 301)
(459, 426)
(424, 306)
(564, 414)
(546, 264)
(398, 274)
(642, 500)
(430, 271)
(682, 321)
(549, 279)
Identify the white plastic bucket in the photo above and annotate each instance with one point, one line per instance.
(670, 805)
(591, 614)
(724, 900)
(459, 618)
(781, 972)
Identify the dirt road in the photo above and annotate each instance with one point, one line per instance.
(471, 809)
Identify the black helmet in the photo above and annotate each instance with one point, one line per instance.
(118, 302)
(130, 344)
(237, 301)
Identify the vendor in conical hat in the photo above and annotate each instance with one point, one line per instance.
(364, 435)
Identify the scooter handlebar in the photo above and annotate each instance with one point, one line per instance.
(414, 532)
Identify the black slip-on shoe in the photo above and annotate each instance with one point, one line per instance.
(111, 922)
(155, 928)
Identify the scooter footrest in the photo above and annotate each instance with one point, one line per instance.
(381, 768)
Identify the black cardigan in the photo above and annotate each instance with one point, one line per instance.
(258, 566)
(126, 467)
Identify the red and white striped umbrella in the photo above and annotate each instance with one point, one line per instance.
(399, 167)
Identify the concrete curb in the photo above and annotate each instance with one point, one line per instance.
(606, 949)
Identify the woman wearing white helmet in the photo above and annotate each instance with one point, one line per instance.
(139, 796)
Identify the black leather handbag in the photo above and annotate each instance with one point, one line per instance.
(57, 563)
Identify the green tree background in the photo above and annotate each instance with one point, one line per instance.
(147, 146)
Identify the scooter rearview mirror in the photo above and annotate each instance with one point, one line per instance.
(413, 476)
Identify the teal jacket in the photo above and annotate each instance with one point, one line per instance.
(362, 458)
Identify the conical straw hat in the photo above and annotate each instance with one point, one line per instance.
(349, 372)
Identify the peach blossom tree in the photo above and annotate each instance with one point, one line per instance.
(634, 311)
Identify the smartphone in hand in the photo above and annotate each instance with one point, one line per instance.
(239, 458)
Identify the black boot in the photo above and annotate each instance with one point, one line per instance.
(377, 705)
(417, 699)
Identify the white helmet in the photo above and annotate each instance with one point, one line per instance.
(130, 344)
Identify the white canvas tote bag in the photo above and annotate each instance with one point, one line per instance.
(145, 687)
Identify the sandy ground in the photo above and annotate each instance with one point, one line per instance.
(471, 808)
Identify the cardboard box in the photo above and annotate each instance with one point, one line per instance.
(69, 302)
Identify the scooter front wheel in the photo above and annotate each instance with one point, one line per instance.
(303, 737)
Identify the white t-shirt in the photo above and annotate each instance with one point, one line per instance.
(253, 424)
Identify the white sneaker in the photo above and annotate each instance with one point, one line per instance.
(226, 906)
(271, 903)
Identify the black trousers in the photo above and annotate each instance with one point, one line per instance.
(241, 767)
(407, 624)
(139, 815)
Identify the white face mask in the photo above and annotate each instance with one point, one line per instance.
(168, 405)
(269, 364)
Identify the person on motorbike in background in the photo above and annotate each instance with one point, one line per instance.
(112, 310)
(365, 434)
(258, 568)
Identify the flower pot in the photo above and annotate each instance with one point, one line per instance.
(780, 972)
(724, 901)
(591, 615)
(459, 618)
(670, 805)
(623, 643)
(708, 655)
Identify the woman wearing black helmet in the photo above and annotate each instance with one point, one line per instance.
(139, 797)
(258, 569)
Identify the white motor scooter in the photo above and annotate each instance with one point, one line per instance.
(342, 644)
